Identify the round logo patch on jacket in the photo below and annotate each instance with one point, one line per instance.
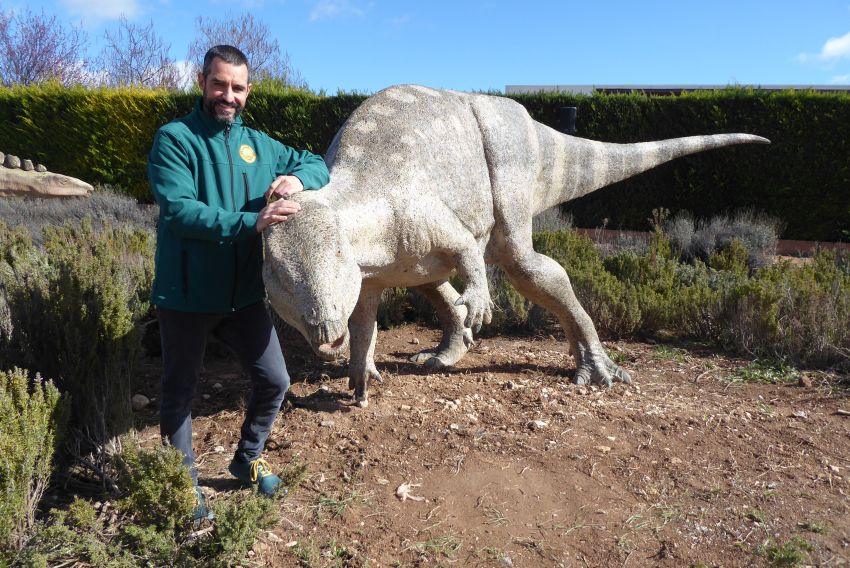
(247, 153)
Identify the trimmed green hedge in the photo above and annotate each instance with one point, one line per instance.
(803, 178)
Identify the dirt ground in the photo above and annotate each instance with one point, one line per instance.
(507, 463)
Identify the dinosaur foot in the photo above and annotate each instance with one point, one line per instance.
(599, 369)
(434, 360)
(451, 350)
(359, 383)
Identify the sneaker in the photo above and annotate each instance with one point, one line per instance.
(201, 512)
(257, 472)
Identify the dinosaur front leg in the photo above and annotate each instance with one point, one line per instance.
(363, 330)
(545, 282)
(456, 337)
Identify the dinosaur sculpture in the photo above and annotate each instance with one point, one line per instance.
(425, 182)
(21, 178)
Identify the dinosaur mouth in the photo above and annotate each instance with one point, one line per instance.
(333, 349)
(329, 339)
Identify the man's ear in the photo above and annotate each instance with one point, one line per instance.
(201, 80)
(248, 92)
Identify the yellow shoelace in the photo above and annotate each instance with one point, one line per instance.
(259, 468)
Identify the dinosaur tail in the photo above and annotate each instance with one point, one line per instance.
(577, 166)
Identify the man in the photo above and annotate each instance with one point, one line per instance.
(211, 176)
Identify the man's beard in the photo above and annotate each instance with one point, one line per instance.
(210, 106)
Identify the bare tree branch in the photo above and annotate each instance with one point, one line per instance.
(134, 55)
(256, 41)
(37, 47)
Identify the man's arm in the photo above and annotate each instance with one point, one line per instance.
(297, 171)
(174, 190)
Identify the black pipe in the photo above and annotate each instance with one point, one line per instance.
(567, 120)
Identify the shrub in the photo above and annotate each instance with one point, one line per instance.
(238, 522)
(159, 489)
(606, 299)
(72, 312)
(32, 414)
(754, 235)
(105, 207)
(553, 219)
(800, 314)
(152, 526)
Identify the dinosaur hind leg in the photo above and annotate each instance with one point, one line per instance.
(545, 282)
(456, 338)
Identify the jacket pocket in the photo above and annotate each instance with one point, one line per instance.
(184, 273)
(247, 193)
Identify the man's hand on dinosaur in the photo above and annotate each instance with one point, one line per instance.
(276, 212)
(284, 186)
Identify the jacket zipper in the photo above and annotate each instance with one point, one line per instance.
(233, 202)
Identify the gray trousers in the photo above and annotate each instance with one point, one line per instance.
(250, 334)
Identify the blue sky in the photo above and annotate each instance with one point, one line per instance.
(365, 45)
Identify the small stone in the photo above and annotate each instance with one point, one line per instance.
(415, 341)
(205, 396)
(327, 423)
(804, 381)
(139, 402)
(412, 437)
(405, 407)
(27, 166)
(382, 481)
(506, 561)
(834, 469)
(273, 537)
(41, 168)
(602, 449)
(582, 391)
(11, 161)
(801, 414)
(510, 385)
(454, 427)
(219, 449)
(538, 424)
(611, 438)
(676, 461)
(218, 386)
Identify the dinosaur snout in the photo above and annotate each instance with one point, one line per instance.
(329, 339)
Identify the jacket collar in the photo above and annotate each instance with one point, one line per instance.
(211, 125)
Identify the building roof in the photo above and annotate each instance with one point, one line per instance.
(660, 89)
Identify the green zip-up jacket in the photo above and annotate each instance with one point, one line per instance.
(209, 181)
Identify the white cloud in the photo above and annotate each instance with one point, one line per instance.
(840, 79)
(834, 48)
(332, 9)
(95, 10)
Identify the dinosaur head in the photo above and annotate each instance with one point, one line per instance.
(311, 275)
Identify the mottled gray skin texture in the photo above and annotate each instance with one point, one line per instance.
(20, 178)
(426, 182)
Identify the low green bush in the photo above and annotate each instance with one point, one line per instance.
(71, 310)
(159, 491)
(797, 314)
(753, 237)
(32, 417)
(151, 523)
